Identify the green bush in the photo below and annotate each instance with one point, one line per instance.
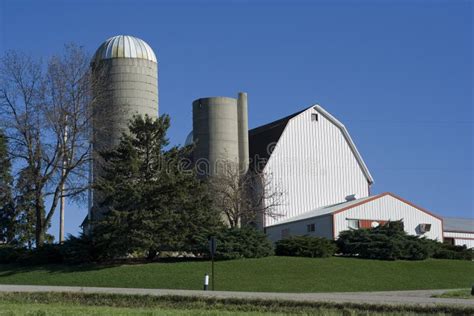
(235, 243)
(305, 246)
(386, 242)
(368, 244)
(47, 254)
(10, 254)
(74, 250)
(445, 251)
(391, 242)
(80, 249)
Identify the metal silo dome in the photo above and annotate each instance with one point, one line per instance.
(124, 46)
(189, 139)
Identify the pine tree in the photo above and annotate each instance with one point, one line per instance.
(151, 203)
(7, 207)
(25, 205)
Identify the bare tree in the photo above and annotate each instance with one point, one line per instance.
(245, 198)
(38, 106)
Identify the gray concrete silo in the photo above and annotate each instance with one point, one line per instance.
(218, 125)
(126, 71)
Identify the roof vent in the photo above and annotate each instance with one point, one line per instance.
(424, 228)
(351, 197)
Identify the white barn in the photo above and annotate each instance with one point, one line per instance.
(312, 160)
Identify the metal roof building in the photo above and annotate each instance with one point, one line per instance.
(459, 231)
(366, 212)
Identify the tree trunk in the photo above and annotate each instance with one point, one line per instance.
(39, 234)
(151, 254)
(39, 230)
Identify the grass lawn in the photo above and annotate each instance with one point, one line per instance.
(457, 294)
(272, 274)
(106, 304)
(64, 309)
(69, 310)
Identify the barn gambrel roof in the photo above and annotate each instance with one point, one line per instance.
(261, 137)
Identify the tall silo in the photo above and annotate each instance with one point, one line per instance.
(126, 70)
(218, 124)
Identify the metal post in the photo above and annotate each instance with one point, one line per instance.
(62, 200)
(206, 282)
(212, 271)
(212, 251)
(61, 214)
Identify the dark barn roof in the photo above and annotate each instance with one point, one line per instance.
(262, 140)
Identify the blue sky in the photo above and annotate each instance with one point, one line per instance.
(398, 74)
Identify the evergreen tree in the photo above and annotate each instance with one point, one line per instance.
(25, 205)
(149, 201)
(7, 207)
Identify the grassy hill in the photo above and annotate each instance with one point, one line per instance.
(272, 274)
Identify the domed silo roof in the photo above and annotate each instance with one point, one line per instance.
(123, 46)
(189, 139)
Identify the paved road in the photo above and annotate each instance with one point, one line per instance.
(389, 297)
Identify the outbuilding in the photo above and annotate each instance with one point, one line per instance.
(366, 212)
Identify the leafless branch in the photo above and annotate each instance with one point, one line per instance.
(47, 115)
(245, 198)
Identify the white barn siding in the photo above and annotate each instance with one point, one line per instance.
(461, 239)
(323, 228)
(313, 165)
(388, 208)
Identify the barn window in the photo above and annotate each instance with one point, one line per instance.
(310, 228)
(285, 233)
(314, 117)
(353, 223)
(449, 241)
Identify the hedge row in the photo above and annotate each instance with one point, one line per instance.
(391, 242)
(232, 243)
(305, 246)
(386, 242)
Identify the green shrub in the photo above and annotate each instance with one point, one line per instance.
(445, 251)
(234, 243)
(305, 246)
(391, 242)
(386, 242)
(74, 250)
(47, 254)
(79, 250)
(10, 254)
